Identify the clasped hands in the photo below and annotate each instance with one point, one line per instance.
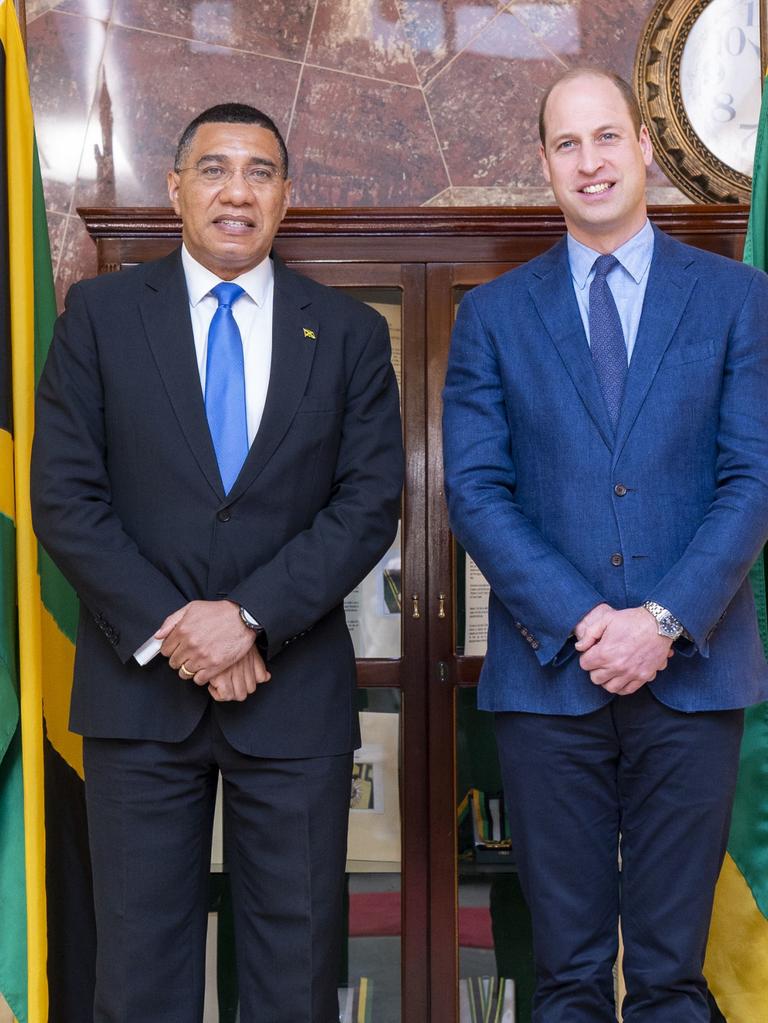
(621, 650)
(209, 638)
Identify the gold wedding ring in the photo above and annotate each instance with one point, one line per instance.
(185, 672)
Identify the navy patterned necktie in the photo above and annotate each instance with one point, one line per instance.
(606, 338)
(225, 386)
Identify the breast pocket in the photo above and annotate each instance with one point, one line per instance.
(696, 351)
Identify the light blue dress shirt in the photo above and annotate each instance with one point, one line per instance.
(627, 281)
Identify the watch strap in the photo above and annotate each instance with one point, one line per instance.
(666, 623)
(249, 621)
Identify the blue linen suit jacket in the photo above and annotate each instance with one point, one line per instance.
(561, 514)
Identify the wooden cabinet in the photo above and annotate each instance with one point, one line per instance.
(419, 262)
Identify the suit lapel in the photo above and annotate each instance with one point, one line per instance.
(552, 293)
(294, 339)
(670, 283)
(164, 308)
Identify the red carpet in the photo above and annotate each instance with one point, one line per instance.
(377, 915)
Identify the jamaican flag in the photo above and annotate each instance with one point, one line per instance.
(46, 915)
(737, 954)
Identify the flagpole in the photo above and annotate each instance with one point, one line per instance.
(763, 40)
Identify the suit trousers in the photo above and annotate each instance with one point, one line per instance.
(653, 784)
(150, 815)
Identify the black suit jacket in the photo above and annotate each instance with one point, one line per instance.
(128, 501)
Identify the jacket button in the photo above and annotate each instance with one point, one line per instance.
(617, 560)
(224, 515)
(619, 490)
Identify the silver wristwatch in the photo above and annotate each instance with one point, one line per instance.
(666, 623)
(249, 621)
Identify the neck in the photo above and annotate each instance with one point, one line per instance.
(608, 240)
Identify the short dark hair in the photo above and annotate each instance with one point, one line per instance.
(229, 113)
(584, 71)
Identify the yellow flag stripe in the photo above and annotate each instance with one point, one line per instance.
(736, 966)
(59, 663)
(6, 476)
(362, 1000)
(18, 114)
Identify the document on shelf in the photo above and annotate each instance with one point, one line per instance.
(476, 592)
(393, 314)
(374, 808)
(373, 609)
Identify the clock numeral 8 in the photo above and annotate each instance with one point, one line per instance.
(723, 110)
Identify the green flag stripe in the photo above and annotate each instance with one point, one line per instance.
(57, 595)
(13, 950)
(756, 244)
(748, 842)
(45, 296)
(757, 579)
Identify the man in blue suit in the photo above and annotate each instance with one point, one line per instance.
(606, 449)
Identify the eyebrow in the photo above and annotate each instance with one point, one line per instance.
(254, 161)
(596, 131)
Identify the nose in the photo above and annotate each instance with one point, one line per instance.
(236, 189)
(591, 159)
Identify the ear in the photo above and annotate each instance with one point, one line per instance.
(544, 163)
(286, 196)
(646, 147)
(173, 191)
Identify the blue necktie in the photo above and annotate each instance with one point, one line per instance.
(606, 338)
(225, 386)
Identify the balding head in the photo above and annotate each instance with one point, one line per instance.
(572, 76)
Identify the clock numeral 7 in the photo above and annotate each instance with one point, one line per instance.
(748, 140)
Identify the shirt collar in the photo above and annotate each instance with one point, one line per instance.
(634, 255)
(255, 283)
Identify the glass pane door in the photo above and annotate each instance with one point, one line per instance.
(383, 978)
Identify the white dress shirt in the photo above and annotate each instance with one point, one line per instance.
(253, 315)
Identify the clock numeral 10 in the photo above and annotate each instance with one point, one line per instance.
(733, 40)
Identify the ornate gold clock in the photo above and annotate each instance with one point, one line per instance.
(697, 76)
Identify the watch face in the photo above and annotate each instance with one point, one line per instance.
(668, 628)
(720, 80)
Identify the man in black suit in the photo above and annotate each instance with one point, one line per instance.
(217, 462)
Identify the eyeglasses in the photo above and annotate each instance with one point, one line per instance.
(216, 175)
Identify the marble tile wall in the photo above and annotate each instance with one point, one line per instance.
(382, 102)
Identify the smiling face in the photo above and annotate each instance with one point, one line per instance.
(229, 225)
(595, 160)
